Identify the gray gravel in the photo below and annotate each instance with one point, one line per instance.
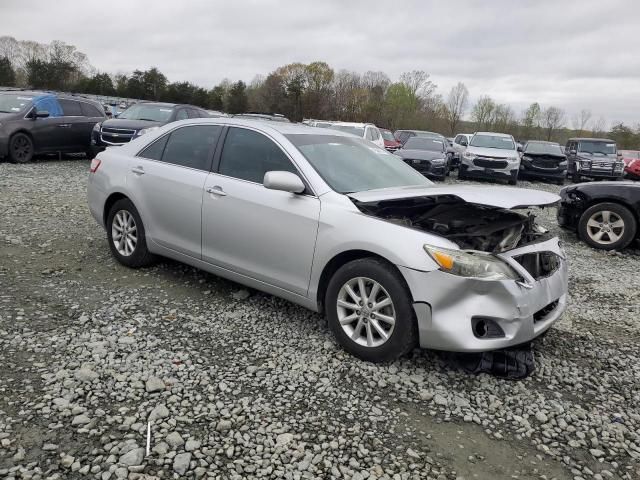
(238, 384)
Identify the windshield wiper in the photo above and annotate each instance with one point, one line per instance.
(147, 119)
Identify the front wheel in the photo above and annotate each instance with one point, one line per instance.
(575, 177)
(126, 234)
(369, 310)
(21, 148)
(607, 226)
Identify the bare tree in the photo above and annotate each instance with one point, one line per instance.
(456, 105)
(552, 119)
(600, 127)
(418, 83)
(482, 112)
(580, 121)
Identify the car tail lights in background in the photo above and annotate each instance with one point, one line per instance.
(95, 163)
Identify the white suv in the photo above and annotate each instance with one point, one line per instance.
(491, 155)
(367, 131)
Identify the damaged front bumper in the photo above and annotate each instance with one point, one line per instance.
(461, 314)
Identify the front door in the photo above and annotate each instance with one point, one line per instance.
(265, 234)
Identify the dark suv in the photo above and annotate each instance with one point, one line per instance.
(593, 158)
(139, 119)
(39, 122)
(543, 160)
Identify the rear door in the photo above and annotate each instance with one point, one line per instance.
(168, 178)
(73, 126)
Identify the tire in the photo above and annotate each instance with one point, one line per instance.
(371, 347)
(513, 181)
(121, 212)
(21, 148)
(575, 177)
(608, 237)
(90, 154)
(461, 174)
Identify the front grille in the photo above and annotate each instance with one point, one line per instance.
(543, 312)
(423, 164)
(490, 163)
(539, 264)
(116, 136)
(602, 164)
(551, 164)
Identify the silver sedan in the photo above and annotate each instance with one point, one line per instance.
(336, 224)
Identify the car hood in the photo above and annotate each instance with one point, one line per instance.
(419, 154)
(492, 152)
(503, 197)
(130, 124)
(558, 156)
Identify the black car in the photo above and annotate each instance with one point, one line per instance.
(543, 160)
(605, 214)
(139, 119)
(34, 122)
(403, 135)
(428, 156)
(593, 158)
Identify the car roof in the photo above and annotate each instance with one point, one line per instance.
(542, 141)
(351, 124)
(579, 139)
(280, 127)
(495, 134)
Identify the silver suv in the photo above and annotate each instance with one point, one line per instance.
(326, 220)
(492, 156)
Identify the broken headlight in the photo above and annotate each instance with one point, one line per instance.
(471, 263)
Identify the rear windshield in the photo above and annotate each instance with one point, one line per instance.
(423, 143)
(152, 113)
(543, 148)
(11, 103)
(358, 131)
(492, 141)
(605, 148)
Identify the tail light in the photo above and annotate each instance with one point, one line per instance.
(95, 163)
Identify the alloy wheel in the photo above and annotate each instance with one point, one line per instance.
(21, 148)
(605, 227)
(124, 233)
(366, 312)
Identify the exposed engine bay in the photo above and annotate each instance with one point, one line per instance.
(471, 226)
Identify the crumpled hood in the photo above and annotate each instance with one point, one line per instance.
(493, 152)
(130, 124)
(500, 197)
(419, 154)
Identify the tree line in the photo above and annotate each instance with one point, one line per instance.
(313, 90)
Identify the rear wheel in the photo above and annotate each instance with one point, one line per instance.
(575, 177)
(126, 235)
(607, 226)
(369, 310)
(21, 148)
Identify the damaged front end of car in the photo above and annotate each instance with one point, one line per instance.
(503, 286)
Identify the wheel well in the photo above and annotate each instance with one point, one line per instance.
(113, 198)
(25, 132)
(338, 261)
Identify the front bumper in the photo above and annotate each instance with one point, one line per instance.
(558, 173)
(472, 171)
(4, 146)
(447, 307)
(609, 172)
(427, 168)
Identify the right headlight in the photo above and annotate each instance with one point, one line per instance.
(471, 264)
(468, 155)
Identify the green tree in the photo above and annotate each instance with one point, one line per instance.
(482, 113)
(624, 136)
(7, 73)
(531, 122)
(154, 83)
(237, 98)
(216, 98)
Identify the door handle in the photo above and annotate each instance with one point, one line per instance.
(217, 190)
(138, 170)
(64, 125)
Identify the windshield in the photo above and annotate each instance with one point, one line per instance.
(353, 165)
(387, 135)
(358, 131)
(543, 148)
(423, 143)
(630, 153)
(152, 113)
(492, 141)
(14, 103)
(597, 147)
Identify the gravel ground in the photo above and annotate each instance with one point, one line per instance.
(239, 384)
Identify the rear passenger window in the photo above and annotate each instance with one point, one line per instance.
(154, 151)
(70, 108)
(182, 114)
(191, 146)
(89, 110)
(248, 155)
(194, 113)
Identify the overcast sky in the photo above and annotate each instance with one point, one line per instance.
(572, 54)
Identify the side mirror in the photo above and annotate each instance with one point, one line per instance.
(284, 181)
(519, 148)
(464, 143)
(450, 150)
(572, 152)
